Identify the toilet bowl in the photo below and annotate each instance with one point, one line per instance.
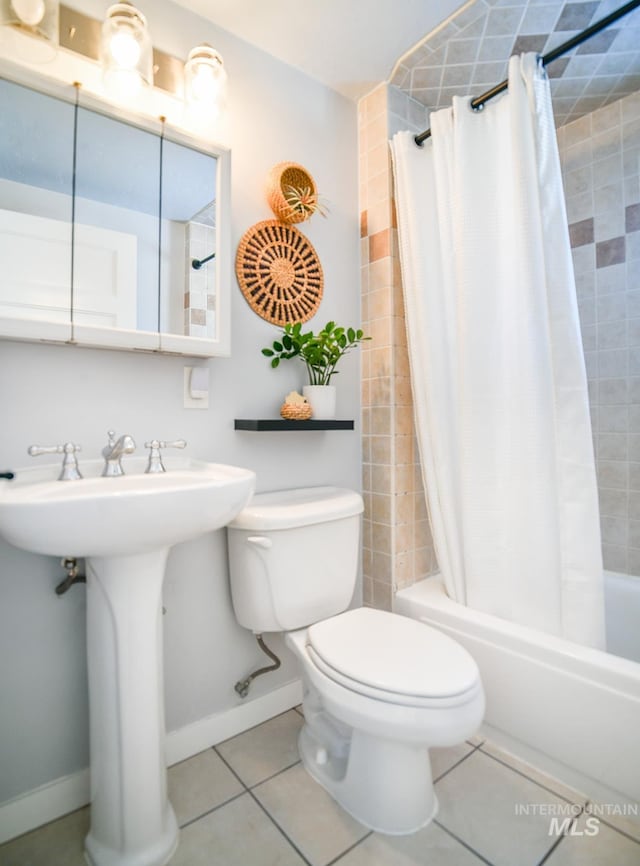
(379, 689)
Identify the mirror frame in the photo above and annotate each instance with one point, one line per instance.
(118, 338)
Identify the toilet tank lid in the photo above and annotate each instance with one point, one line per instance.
(286, 509)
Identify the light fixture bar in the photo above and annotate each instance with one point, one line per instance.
(81, 34)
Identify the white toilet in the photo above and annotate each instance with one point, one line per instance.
(379, 689)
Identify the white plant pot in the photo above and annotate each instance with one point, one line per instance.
(322, 399)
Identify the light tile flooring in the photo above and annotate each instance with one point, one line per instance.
(249, 802)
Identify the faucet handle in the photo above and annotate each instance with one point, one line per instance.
(70, 471)
(155, 463)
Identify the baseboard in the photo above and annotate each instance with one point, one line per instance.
(64, 795)
(190, 740)
(591, 788)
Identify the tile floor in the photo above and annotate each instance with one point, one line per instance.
(249, 802)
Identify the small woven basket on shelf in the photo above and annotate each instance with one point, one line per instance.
(284, 177)
(295, 411)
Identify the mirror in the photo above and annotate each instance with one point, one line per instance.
(112, 230)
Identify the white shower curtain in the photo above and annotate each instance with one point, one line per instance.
(497, 368)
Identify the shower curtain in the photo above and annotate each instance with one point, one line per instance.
(497, 367)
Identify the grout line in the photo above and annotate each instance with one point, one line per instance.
(228, 765)
(462, 842)
(261, 781)
(539, 784)
(273, 775)
(210, 811)
(559, 840)
(350, 848)
(457, 763)
(277, 825)
(609, 824)
(252, 728)
(270, 817)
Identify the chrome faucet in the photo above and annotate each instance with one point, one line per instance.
(113, 452)
(155, 464)
(70, 471)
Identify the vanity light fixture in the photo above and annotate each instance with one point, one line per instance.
(205, 80)
(35, 17)
(126, 51)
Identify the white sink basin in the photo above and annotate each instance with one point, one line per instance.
(135, 513)
(124, 528)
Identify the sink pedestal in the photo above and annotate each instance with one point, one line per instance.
(132, 822)
(123, 527)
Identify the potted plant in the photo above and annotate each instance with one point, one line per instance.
(320, 353)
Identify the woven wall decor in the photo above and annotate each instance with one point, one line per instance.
(279, 273)
(281, 179)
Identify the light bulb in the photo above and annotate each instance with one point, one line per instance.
(205, 83)
(30, 12)
(205, 80)
(125, 49)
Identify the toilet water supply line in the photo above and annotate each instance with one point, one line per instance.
(242, 686)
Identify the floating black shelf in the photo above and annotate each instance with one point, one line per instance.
(282, 424)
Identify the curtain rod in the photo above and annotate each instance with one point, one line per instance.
(479, 101)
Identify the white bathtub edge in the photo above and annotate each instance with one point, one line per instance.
(571, 709)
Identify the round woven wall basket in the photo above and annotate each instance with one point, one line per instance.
(279, 273)
(281, 178)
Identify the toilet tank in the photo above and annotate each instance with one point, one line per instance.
(293, 557)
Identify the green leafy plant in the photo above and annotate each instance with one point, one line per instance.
(319, 352)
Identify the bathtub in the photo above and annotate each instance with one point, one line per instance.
(573, 711)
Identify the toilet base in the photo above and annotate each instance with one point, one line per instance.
(385, 785)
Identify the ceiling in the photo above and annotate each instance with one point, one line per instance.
(349, 45)
(435, 49)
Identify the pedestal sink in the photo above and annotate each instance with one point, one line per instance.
(124, 528)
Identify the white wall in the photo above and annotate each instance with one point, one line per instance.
(50, 394)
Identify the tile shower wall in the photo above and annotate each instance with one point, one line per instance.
(600, 156)
(398, 549)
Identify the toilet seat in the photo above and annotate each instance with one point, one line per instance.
(393, 659)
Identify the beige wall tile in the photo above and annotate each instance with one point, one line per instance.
(382, 595)
(382, 508)
(404, 450)
(379, 217)
(381, 479)
(380, 274)
(378, 188)
(404, 479)
(404, 540)
(382, 538)
(379, 245)
(397, 549)
(380, 304)
(367, 591)
(375, 103)
(381, 420)
(380, 332)
(381, 450)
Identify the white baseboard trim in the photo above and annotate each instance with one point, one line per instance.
(64, 795)
(44, 804)
(190, 740)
